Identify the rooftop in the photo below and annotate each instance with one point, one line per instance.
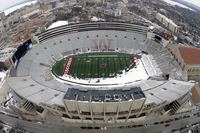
(57, 24)
(104, 95)
(196, 94)
(31, 13)
(6, 53)
(190, 55)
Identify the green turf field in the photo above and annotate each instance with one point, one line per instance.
(95, 65)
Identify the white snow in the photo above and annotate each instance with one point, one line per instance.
(12, 9)
(133, 75)
(94, 18)
(57, 24)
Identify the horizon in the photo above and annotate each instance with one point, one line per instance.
(195, 2)
(6, 4)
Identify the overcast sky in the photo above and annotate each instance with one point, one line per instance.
(196, 2)
(7, 3)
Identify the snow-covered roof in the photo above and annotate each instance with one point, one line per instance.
(94, 18)
(57, 24)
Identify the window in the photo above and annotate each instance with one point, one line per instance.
(121, 118)
(32, 85)
(88, 118)
(75, 117)
(85, 113)
(167, 125)
(56, 95)
(60, 108)
(65, 115)
(98, 118)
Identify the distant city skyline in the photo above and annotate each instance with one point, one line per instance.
(4, 4)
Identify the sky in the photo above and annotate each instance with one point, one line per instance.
(195, 2)
(7, 3)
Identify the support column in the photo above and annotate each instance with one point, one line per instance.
(77, 108)
(130, 109)
(91, 110)
(118, 109)
(141, 109)
(104, 111)
(67, 111)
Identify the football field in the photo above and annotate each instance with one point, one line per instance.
(94, 65)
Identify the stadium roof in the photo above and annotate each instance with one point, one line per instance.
(33, 79)
(113, 95)
(190, 55)
(57, 24)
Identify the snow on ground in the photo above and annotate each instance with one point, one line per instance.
(94, 18)
(57, 24)
(135, 74)
(12, 9)
(176, 3)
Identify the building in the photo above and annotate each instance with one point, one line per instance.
(46, 5)
(188, 59)
(2, 15)
(168, 23)
(31, 15)
(6, 55)
(115, 10)
(196, 94)
(2, 28)
(112, 12)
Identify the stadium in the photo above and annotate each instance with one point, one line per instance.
(103, 77)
